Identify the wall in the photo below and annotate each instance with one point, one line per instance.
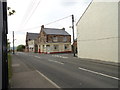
(31, 44)
(98, 32)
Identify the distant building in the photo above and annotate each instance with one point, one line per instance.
(53, 40)
(98, 31)
(31, 42)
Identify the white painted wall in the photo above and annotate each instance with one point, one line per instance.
(98, 32)
(31, 44)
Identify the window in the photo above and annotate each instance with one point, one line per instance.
(55, 39)
(56, 47)
(66, 46)
(65, 39)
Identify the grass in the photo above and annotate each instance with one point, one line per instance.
(9, 66)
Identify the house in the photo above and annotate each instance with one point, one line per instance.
(98, 31)
(31, 42)
(51, 40)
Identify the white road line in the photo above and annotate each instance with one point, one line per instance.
(64, 57)
(56, 62)
(98, 73)
(48, 79)
(59, 56)
(15, 65)
(37, 56)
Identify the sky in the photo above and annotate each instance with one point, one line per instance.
(32, 14)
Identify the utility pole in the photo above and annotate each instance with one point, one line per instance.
(1, 26)
(73, 35)
(3, 45)
(13, 44)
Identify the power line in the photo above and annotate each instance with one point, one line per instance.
(31, 5)
(58, 20)
(32, 13)
(47, 23)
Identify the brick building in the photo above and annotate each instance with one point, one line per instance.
(51, 40)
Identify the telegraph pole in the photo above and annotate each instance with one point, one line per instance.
(13, 44)
(73, 35)
(3, 45)
(1, 53)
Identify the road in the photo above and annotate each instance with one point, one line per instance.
(67, 71)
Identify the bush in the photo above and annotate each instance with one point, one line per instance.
(21, 48)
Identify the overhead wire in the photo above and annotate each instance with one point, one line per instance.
(31, 5)
(48, 23)
(32, 12)
(57, 20)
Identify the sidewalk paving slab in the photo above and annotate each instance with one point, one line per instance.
(25, 77)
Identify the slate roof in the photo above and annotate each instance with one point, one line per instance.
(32, 36)
(53, 31)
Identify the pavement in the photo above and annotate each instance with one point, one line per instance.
(27, 77)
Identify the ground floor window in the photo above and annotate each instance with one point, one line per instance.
(66, 46)
(56, 47)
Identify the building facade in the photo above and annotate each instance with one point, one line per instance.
(31, 42)
(98, 31)
(53, 40)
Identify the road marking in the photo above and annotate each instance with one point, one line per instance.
(37, 56)
(98, 73)
(56, 62)
(48, 79)
(15, 65)
(59, 56)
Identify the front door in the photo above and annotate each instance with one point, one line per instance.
(48, 49)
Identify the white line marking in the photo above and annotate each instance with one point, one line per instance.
(99, 73)
(59, 56)
(36, 56)
(56, 62)
(15, 65)
(48, 79)
(64, 57)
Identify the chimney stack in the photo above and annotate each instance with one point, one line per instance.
(63, 28)
(42, 26)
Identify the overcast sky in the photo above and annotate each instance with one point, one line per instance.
(31, 14)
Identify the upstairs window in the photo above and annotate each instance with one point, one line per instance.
(55, 39)
(65, 39)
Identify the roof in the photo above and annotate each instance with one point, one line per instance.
(32, 36)
(53, 31)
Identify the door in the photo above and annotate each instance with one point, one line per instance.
(48, 49)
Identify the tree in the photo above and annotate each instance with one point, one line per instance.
(20, 48)
(10, 11)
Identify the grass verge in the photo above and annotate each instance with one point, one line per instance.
(9, 66)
